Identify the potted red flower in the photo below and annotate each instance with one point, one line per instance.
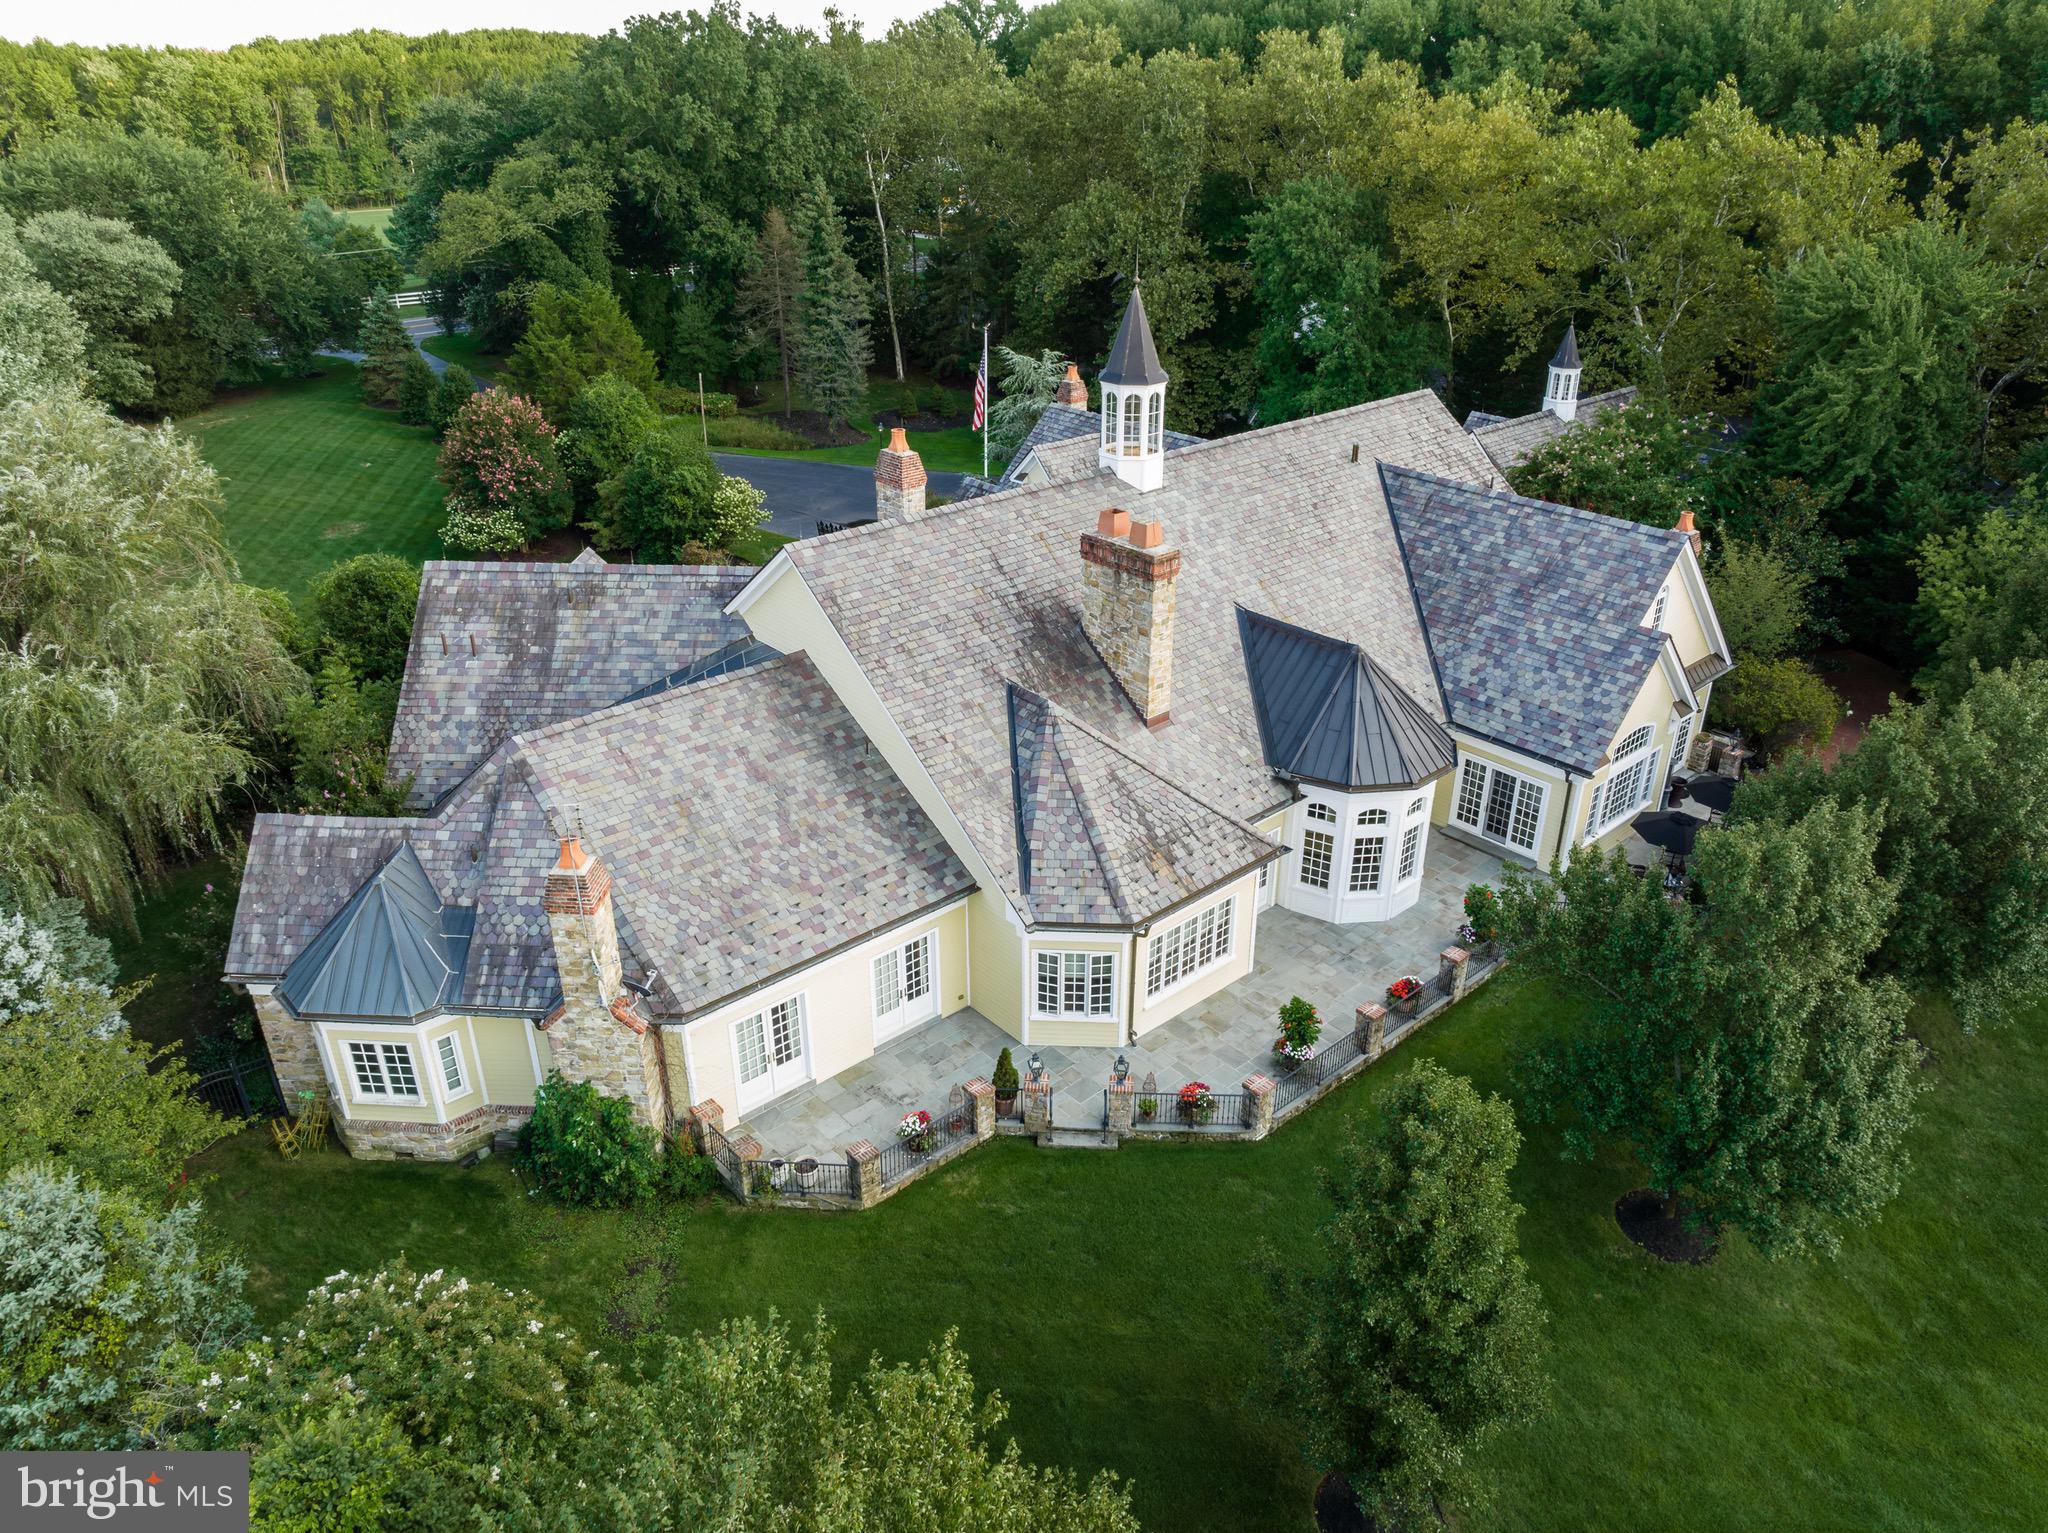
(1404, 994)
(1197, 1102)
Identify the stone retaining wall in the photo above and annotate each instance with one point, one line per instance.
(384, 1139)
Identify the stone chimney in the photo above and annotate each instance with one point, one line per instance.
(899, 480)
(1129, 583)
(1691, 532)
(597, 1034)
(1072, 391)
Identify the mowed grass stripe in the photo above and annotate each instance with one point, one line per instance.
(1115, 1300)
(310, 476)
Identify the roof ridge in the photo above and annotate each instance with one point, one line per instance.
(695, 689)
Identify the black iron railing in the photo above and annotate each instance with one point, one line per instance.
(243, 1088)
(903, 1157)
(804, 1177)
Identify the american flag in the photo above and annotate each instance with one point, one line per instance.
(981, 386)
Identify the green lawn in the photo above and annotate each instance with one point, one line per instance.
(463, 349)
(1113, 1300)
(312, 476)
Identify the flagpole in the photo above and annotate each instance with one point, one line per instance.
(988, 388)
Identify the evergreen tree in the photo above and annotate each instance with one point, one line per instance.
(1737, 1045)
(833, 347)
(575, 335)
(1413, 1333)
(696, 346)
(1026, 390)
(452, 390)
(387, 351)
(416, 385)
(767, 300)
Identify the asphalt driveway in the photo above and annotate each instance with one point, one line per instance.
(800, 494)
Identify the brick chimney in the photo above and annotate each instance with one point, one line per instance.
(597, 1034)
(1072, 391)
(1129, 581)
(899, 480)
(1691, 532)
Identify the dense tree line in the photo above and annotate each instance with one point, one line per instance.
(311, 118)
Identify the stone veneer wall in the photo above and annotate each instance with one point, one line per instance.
(383, 1139)
(900, 480)
(1128, 602)
(595, 1035)
(294, 1049)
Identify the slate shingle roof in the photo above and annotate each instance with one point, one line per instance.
(1330, 714)
(747, 827)
(1534, 611)
(944, 610)
(1070, 423)
(1101, 840)
(1512, 441)
(497, 648)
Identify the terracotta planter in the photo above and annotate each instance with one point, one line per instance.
(1406, 1007)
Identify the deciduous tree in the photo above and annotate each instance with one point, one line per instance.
(117, 283)
(1412, 1332)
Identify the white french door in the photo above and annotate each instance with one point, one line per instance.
(906, 987)
(1499, 804)
(769, 1052)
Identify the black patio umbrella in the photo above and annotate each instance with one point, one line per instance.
(1672, 831)
(1713, 790)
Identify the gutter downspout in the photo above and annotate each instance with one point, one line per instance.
(1568, 812)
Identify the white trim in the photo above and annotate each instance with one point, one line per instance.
(331, 1068)
(1158, 933)
(1521, 761)
(801, 1000)
(468, 1087)
(1477, 827)
(1695, 580)
(933, 990)
(434, 1082)
(759, 586)
(1113, 954)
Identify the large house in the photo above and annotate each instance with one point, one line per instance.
(1049, 753)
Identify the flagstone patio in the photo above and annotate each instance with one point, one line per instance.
(1220, 1042)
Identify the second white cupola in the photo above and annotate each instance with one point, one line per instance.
(1561, 394)
(1133, 443)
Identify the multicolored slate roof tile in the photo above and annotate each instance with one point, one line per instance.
(1511, 441)
(1534, 610)
(747, 827)
(497, 648)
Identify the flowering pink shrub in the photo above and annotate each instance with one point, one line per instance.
(500, 456)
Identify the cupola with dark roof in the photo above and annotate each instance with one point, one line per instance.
(1561, 394)
(1133, 444)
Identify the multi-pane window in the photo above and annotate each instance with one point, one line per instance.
(1629, 782)
(451, 1064)
(1498, 803)
(1372, 817)
(1076, 984)
(1109, 418)
(1323, 812)
(1368, 853)
(1681, 741)
(903, 984)
(1318, 850)
(1411, 844)
(1134, 423)
(384, 1070)
(1416, 806)
(1657, 608)
(1155, 422)
(1187, 947)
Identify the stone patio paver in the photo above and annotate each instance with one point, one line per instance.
(1221, 1041)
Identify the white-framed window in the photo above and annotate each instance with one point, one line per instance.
(449, 1056)
(1321, 811)
(1499, 804)
(1681, 742)
(1109, 418)
(1188, 946)
(1630, 782)
(1155, 422)
(1318, 851)
(1134, 423)
(770, 1052)
(1368, 857)
(1658, 608)
(1076, 984)
(384, 1071)
(1411, 846)
(1368, 817)
(1418, 806)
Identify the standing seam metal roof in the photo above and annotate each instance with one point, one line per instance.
(1329, 713)
(394, 951)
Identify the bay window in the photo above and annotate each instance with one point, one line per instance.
(1630, 783)
(1189, 946)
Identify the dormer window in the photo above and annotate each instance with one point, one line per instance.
(1657, 609)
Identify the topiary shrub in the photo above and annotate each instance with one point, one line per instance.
(584, 1147)
(1005, 1079)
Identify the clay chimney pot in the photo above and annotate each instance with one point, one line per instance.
(897, 441)
(1112, 523)
(1148, 534)
(572, 854)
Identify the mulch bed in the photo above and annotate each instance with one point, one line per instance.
(1642, 1218)
(1337, 1508)
(816, 429)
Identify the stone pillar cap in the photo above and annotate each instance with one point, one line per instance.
(1372, 1009)
(1457, 955)
(862, 1150)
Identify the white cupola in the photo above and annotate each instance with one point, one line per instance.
(1561, 395)
(1133, 444)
